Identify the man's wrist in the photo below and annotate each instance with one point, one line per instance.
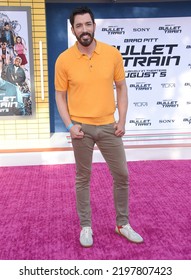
(69, 126)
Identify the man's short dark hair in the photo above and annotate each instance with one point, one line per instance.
(81, 11)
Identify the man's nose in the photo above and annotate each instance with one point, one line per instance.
(84, 28)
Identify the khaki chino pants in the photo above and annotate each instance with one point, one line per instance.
(113, 152)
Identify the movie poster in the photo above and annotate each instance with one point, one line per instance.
(16, 63)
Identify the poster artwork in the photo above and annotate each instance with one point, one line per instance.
(16, 98)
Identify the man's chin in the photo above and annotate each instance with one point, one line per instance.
(85, 43)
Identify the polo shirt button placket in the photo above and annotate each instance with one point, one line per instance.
(90, 64)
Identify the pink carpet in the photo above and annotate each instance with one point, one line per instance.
(38, 218)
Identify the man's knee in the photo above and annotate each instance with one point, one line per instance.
(121, 176)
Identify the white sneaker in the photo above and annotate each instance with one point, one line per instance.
(129, 233)
(86, 239)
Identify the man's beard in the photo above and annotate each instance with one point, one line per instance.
(87, 41)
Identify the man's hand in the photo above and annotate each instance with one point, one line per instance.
(76, 131)
(119, 130)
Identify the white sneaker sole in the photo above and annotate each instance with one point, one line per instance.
(86, 246)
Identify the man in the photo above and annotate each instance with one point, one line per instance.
(7, 35)
(6, 56)
(15, 73)
(84, 76)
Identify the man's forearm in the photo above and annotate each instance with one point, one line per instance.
(122, 103)
(63, 107)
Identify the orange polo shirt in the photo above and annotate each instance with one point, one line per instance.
(89, 82)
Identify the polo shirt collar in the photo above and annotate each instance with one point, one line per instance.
(97, 49)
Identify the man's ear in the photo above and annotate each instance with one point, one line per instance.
(72, 29)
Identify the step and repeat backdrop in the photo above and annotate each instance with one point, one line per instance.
(157, 61)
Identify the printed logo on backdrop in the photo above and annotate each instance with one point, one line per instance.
(140, 122)
(187, 120)
(114, 30)
(166, 121)
(168, 85)
(140, 104)
(187, 84)
(141, 86)
(145, 29)
(168, 103)
(145, 56)
(170, 28)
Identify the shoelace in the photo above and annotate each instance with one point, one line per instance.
(129, 228)
(86, 231)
